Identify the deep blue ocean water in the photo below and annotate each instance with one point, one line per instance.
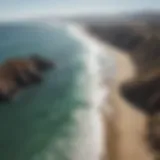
(40, 124)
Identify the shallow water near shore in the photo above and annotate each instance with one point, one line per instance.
(55, 120)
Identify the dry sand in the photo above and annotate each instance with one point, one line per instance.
(125, 127)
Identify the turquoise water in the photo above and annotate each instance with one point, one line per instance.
(39, 124)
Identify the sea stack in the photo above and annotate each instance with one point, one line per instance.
(15, 74)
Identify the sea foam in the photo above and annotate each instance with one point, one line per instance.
(89, 121)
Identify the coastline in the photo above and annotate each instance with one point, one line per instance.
(99, 87)
(108, 112)
(123, 126)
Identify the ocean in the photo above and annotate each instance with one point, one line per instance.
(58, 119)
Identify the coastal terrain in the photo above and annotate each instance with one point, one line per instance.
(78, 112)
(136, 48)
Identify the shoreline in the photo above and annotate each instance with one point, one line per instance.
(125, 126)
(96, 92)
(122, 124)
(105, 81)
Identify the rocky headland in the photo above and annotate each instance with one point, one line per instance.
(16, 74)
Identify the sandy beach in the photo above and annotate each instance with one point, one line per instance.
(125, 126)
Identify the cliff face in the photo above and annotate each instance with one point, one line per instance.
(18, 73)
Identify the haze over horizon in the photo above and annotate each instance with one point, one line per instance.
(18, 9)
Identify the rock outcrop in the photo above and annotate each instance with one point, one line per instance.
(15, 74)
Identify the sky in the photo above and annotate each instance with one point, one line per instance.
(13, 9)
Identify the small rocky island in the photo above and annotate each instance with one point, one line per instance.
(16, 74)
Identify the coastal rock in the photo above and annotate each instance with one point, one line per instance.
(24, 72)
(41, 63)
(15, 74)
